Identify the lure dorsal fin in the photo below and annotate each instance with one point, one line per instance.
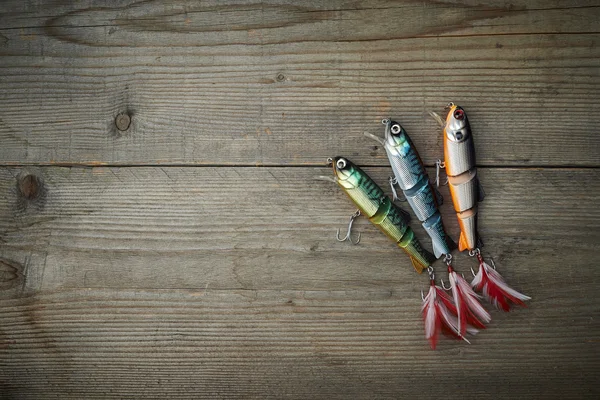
(481, 192)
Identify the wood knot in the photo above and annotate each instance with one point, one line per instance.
(122, 122)
(29, 187)
(280, 77)
(30, 192)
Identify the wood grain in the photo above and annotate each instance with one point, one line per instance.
(274, 84)
(272, 228)
(364, 343)
(227, 282)
(189, 253)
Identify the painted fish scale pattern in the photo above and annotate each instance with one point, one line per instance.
(394, 224)
(464, 195)
(367, 205)
(366, 195)
(440, 241)
(412, 179)
(422, 201)
(407, 170)
(460, 157)
(468, 227)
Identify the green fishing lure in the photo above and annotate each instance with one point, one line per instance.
(381, 211)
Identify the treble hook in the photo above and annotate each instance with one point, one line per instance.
(439, 164)
(444, 286)
(393, 181)
(347, 237)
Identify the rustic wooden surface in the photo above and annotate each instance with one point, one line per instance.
(191, 255)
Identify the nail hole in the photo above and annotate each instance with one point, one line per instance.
(280, 77)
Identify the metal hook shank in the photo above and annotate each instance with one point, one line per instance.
(439, 164)
(393, 181)
(444, 285)
(348, 237)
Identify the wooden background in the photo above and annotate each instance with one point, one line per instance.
(192, 255)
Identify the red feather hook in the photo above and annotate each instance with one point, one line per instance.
(468, 308)
(489, 282)
(440, 314)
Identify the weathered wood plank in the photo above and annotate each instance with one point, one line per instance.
(273, 228)
(294, 94)
(229, 22)
(332, 20)
(261, 344)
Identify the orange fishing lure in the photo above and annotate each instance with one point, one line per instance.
(466, 192)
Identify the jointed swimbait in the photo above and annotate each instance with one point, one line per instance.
(412, 178)
(459, 162)
(381, 211)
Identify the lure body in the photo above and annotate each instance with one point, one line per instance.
(459, 159)
(466, 192)
(380, 210)
(413, 180)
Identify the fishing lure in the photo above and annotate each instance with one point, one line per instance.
(381, 211)
(466, 192)
(439, 312)
(411, 177)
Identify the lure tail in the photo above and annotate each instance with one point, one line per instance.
(419, 257)
(468, 308)
(462, 242)
(418, 265)
(489, 282)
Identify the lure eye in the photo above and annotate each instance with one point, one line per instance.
(459, 114)
(341, 163)
(395, 129)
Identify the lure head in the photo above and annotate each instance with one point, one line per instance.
(457, 125)
(396, 140)
(345, 172)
